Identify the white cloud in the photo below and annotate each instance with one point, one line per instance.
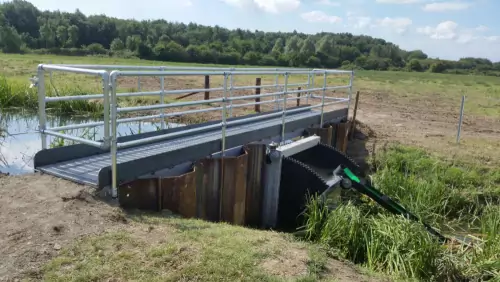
(269, 6)
(320, 17)
(329, 3)
(400, 25)
(398, 1)
(494, 38)
(446, 6)
(449, 30)
(482, 28)
(444, 30)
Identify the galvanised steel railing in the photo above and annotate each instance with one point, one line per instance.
(111, 109)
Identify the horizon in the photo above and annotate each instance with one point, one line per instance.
(449, 24)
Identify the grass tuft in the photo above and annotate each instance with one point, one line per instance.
(449, 196)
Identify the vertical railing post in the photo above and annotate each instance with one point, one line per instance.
(351, 80)
(257, 92)
(283, 112)
(105, 90)
(207, 86)
(298, 97)
(459, 131)
(310, 93)
(308, 87)
(223, 143)
(323, 100)
(224, 113)
(231, 85)
(276, 97)
(162, 98)
(114, 145)
(42, 119)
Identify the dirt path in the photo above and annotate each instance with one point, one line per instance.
(41, 214)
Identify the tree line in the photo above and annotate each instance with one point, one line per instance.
(24, 29)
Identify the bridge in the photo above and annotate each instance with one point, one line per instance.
(116, 161)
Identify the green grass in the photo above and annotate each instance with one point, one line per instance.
(456, 198)
(156, 248)
(483, 92)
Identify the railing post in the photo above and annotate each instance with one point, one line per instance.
(309, 78)
(257, 92)
(207, 86)
(459, 131)
(114, 145)
(276, 97)
(298, 97)
(223, 141)
(283, 113)
(162, 98)
(312, 87)
(42, 119)
(351, 79)
(231, 85)
(323, 100)
(105, 90)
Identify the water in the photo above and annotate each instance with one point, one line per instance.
(21, 141)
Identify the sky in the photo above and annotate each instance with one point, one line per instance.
(446, 29)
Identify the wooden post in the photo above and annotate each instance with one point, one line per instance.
(207, 86)
(298, 97)
(353, 124)
(257, 92)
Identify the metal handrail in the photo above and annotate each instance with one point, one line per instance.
(111, 108)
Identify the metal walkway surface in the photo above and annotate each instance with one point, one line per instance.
(95, 168)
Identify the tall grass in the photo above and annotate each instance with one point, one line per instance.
(443, 194)
(16, 94)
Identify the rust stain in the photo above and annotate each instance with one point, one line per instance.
(255, 173)
(325, 133)
(342, 131)
(139, 194)
(234, 189)
(178, 194)
(208, 188)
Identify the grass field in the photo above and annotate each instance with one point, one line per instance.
(454, 187)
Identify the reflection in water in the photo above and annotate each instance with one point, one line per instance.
(21, 141)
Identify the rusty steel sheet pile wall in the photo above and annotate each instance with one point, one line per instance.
(335, 135)
(225, 189)
(231, 189)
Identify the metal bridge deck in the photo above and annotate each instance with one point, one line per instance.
(95, 169)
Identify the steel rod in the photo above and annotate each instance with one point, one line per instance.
(323, 100)
(162, 99)
(42, 118)
(72, 138)
(199, 73)
(172, 105)
(105, 88)
(350, 92)
(114, 142)
(74, 98)
(231, 88)
(72, 69)
(283, 116)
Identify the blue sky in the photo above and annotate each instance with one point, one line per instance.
(448, 29)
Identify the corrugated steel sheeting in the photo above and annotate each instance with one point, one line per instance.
(199, 192)
(215, 189)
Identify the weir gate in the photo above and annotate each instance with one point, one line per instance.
(254, 162)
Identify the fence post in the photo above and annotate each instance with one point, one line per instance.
(460, 119)
(298, 97)
(353, 125)
(207, 86)
(257, 92)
